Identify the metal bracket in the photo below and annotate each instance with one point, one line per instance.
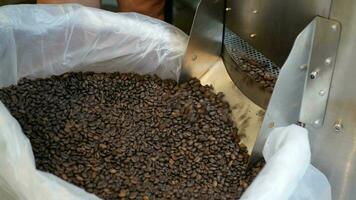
(296, 97)
(205, 42)
(320, 69)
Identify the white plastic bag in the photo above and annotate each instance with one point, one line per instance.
(43, 40)
(288, 174)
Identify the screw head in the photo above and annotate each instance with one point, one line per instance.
(338, 126)
(227, 9)
(253, 35)
(317, 123)
(301, 124)
(328, 61)
(194, 57)
(302, 67)
(322, 92)
(313, 75)
(334, 26)
(255, 11)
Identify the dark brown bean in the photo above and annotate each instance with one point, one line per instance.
(133, 137)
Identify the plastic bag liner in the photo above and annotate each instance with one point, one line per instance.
(288, 174)
(43, 40)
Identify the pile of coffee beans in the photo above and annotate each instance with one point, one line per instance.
(127, 136)
(257, 72)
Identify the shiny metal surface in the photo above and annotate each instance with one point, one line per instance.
(333, 143)
(271, 26)
(246, 83)
(202, 60)
(234, 49)
(334, 152)
(286, 100)
(205, 42)
(320, 69)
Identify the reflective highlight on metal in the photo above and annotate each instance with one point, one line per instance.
(234, 49)
(286, 100)
(237, 47)
(276, 23)
(306, 74)
(205, 42)
(321, 67)
(333, 151)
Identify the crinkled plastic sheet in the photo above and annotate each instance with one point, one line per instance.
(288, 174)
(43, 40)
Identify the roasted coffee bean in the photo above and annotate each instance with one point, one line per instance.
(127, 136)
(258, 72)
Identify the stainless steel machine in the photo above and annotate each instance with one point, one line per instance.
(309, 46)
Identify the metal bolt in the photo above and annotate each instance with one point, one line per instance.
(302, 67)
(314, 74)
(317, 123)
(255, 11)
(338, 126)
(194, 57)
(227, 9)
(328, 61)
(334, 26)
(253, 35)
(321, 92)
(301, 124)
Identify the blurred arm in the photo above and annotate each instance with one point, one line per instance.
(90, 3)
(153, 8)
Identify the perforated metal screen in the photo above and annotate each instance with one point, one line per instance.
(237, 48)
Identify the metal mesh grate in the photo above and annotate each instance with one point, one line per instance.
(237, 48)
